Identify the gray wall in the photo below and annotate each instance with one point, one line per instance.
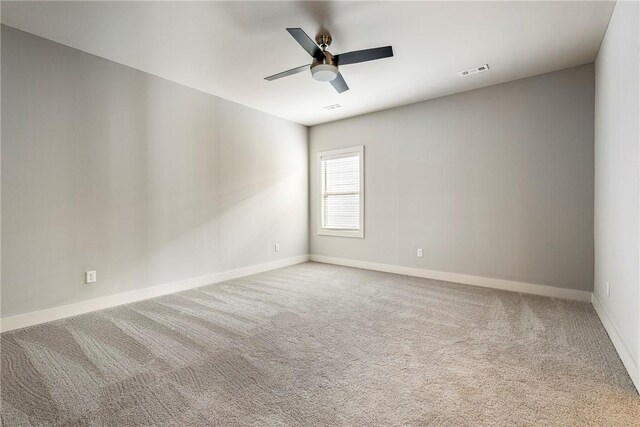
(617, 166)
(146, 181)
(496, 182)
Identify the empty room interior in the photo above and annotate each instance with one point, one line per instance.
(320, 213)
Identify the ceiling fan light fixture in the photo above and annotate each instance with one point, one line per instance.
(324, 72)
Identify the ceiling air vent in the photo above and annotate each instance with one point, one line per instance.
(474, 70)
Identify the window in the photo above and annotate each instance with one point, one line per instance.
(341, 204)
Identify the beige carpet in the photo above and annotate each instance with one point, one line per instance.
(321, 345)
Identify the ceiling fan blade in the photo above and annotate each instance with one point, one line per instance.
(288, 72)
(339, 84)
(307, 44)
(363, 55)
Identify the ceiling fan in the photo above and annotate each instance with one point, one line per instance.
(324, 67)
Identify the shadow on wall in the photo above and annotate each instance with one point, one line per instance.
(110, 169)
(191, 199)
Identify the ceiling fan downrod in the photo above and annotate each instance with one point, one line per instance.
(324, 41)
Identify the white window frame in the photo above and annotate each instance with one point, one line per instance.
(359, 233)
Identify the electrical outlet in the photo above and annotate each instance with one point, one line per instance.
(277, 247)
(419, 253)
(608, 289)
(90, 277)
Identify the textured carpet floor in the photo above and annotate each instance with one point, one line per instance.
(321, 345)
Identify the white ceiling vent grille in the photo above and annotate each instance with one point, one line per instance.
(474, 70)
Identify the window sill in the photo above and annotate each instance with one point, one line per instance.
(358, 234)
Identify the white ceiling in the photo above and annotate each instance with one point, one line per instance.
(227, 48)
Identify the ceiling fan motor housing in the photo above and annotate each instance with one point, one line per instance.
(326, 70)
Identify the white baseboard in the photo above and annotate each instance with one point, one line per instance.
(487, 282)
(625, 354)
(55, 313)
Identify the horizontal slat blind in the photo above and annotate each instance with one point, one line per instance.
(341, 192)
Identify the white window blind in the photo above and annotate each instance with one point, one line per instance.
(341, 192)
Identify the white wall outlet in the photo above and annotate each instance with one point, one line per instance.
(419, 253)
(90, 277)
(277, 247)
(608, 289)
